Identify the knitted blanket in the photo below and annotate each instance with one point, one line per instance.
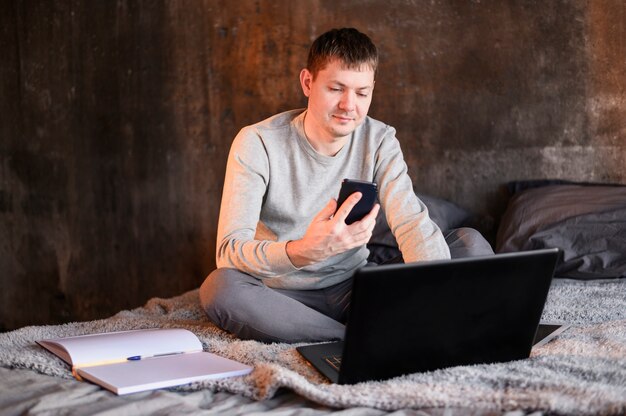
(581, 372)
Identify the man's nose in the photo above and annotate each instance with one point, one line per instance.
(347, 101)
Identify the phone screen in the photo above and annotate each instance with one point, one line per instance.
(369, 190)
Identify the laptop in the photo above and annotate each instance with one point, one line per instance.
(418, 317)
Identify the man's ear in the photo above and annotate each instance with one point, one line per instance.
(305, 81)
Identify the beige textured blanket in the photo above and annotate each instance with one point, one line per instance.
(583, 371)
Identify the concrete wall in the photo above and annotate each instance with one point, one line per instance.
(116, 119)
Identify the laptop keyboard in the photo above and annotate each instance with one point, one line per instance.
(334, 361)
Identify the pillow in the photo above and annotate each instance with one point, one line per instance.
(586, 221)
(445, 214)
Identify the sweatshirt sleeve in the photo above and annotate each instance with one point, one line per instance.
(418, 237)
(245, 184)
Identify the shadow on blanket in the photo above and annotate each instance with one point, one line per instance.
(583, 371)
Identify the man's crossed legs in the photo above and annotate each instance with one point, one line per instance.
(244, 306)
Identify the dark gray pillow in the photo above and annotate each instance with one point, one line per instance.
(586, 221)
(447, 215)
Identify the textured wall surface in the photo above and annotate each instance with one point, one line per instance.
(116, 120)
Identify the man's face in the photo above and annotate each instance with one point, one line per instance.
(339, 99)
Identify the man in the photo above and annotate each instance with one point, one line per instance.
(285, 255)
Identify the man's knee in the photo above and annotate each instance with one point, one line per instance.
(467, 242)
(220, 292)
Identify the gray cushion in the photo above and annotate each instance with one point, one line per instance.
(447, 215)
(587, 221)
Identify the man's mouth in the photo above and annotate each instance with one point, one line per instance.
(343, 118)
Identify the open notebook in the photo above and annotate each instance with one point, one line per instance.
(133, 361)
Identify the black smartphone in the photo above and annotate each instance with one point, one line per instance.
(369, 190)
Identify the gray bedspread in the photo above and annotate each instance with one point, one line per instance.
(583, 371)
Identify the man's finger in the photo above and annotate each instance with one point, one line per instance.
(327, 211)
(373, 213)
(346, 207)
(368, 220)
(365, 226)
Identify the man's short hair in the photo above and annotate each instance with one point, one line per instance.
(353, 48)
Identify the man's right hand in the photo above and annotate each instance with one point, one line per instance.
(329, 235)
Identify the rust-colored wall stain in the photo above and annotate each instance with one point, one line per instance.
(116, 120)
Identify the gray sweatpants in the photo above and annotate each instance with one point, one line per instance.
(244, 306)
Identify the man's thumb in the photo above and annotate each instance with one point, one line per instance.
(327, 211)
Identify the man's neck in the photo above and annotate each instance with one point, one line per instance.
(324, 144)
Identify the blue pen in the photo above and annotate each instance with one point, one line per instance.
(143, 357)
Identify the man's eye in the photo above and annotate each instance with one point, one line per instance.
(362, 95)
(335, 89)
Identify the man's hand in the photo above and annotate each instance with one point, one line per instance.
(329, 235)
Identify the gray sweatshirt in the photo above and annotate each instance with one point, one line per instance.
(276, 183)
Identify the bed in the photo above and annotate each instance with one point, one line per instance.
(581, 372)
